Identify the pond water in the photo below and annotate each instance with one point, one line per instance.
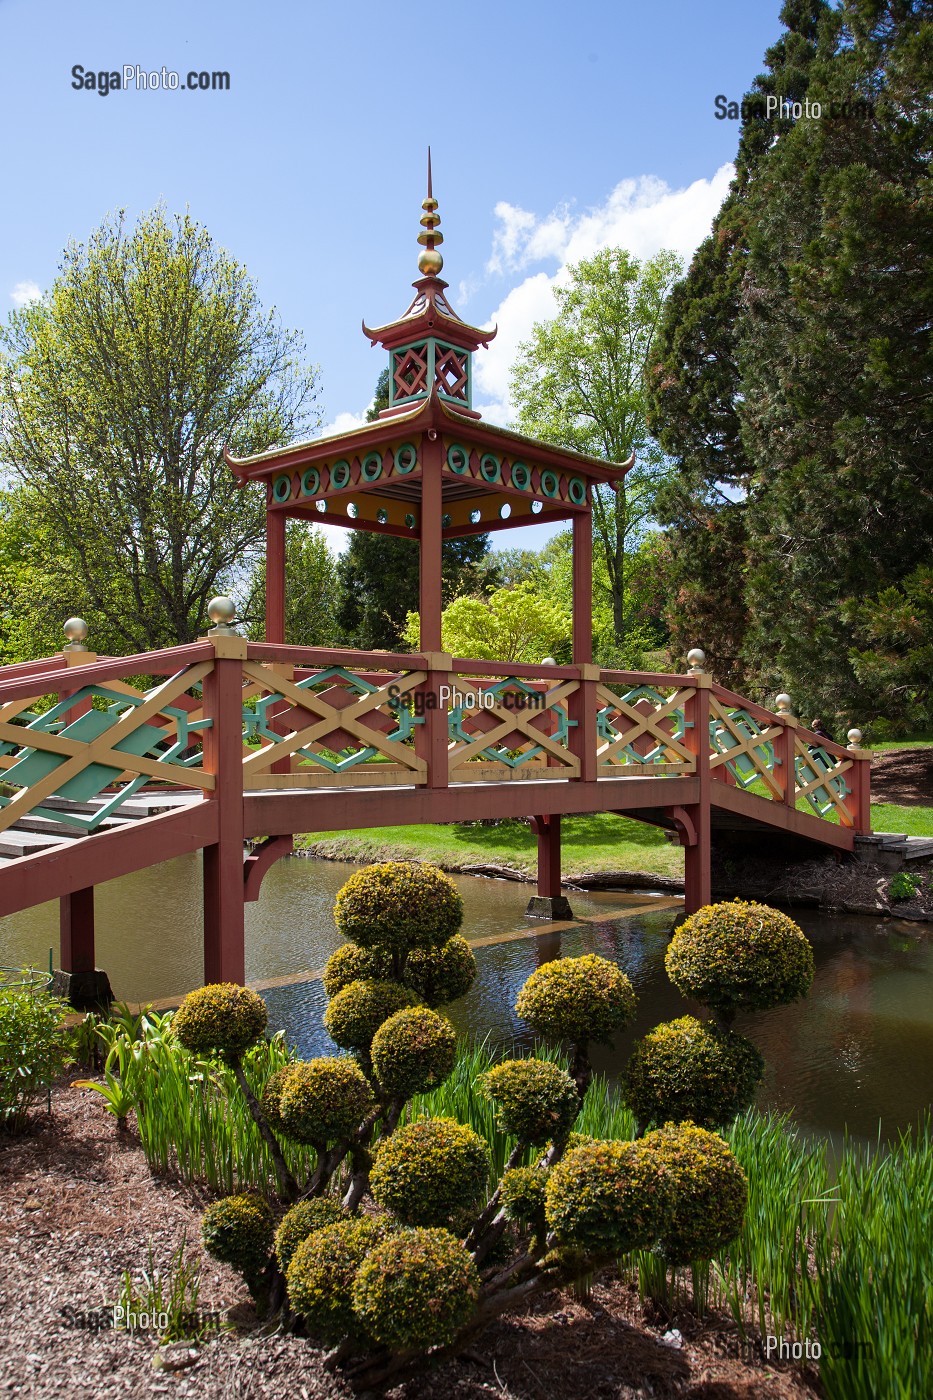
(857, 1053)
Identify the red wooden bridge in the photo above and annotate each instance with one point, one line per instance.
(242, 745)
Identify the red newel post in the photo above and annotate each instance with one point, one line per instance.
(224, 931)
(785, 751)
(431, 737)
(582, 708)
(697, 880)
(859, 801)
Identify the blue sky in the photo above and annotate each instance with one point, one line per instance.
(556, 129)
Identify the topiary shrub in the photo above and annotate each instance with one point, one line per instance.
(577, 999)
(413, 1051)
(357, 1012)
(299, 1223)
(352, 964)
(239, 1230)
(523, 1194)
(537, 1101)
(399, 906)
(271, 1096)
(430, 1172)
(416, 1290)
(443, 975)
(740, 957)
(321, 1274)
(222, 1019)
(323, 1100)
(689, 1069)
(710, 1191)
(607, 1198)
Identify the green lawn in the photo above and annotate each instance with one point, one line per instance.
(589, 844)
(910, 821)
(924, 741)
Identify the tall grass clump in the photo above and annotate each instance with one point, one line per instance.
(874, 1274)
(193, 1121)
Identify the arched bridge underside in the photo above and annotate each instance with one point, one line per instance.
(108, 765)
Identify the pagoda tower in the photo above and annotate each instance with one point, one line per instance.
(429, 468)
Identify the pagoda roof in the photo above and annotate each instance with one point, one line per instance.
(432, 413)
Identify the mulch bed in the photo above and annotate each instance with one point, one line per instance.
(78, 1205)
(903, 777)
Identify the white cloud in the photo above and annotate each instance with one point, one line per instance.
(25, 292)
(345, 423)
(642, 215)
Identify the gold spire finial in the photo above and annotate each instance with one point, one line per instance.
(430, 262)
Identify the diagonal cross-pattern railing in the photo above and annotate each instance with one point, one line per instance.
(503, 726)
(330, 726)
(104, 740)
(641, 726)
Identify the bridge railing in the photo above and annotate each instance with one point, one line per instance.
(81, 730)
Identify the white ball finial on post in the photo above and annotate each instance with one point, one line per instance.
(75, 630)
(854, 737)
(696, 662)
(222, 612)
(784, 703)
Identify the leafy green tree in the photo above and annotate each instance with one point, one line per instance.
(118, 392)
(513, 624)
(579, 382)
(310, 590)
(793, 380)
(378, 581)
(695, 389)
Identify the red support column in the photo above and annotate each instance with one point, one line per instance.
(76, 931)
(431, 543)
(697, 882)
(547, 830)
(275, 573)
(224, 931)
(549, 903)
(582, 588)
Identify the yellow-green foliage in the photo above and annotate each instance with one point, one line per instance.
(710, 1191)
(690, 1069)
(607, 1198)
(323, 1100)
(431, 1172)
(271, 1097)
(537, 1101)
(740, 957)
(299, 1223)
(416, 1290)
(523, 1193)
(413, 1052)
(357, 1012)
(442, 975)
(321, 1273)
(577, 999)
(348, 963)
(239, 1230)
(399, 906)
(437, 975)
(221, 1018)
